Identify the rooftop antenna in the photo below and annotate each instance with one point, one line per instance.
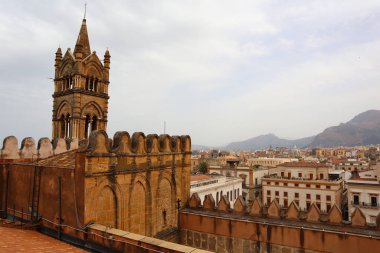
(85, 8)
(164, 127)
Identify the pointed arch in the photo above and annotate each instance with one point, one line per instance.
(165, 203)
(92, 109)
(67, 63)
(63, 108)
(97, 210)
(107, 207)
(93, 62)
(137, 209)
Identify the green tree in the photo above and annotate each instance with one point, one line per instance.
(203, 167)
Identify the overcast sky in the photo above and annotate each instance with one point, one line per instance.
(219, 71)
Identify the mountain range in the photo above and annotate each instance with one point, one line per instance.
(363, 129)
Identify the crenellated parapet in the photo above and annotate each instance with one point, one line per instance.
(136, 152)
(274, 212)
(139, 144)
(30, 150)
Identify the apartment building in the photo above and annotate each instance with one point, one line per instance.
(363, 193)
(304, 183)
(268, 161)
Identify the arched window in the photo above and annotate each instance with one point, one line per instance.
(62, 126)
(68, 127)
(87, 83)
(96, 85)
(217, 197)
(91, 84)
(94, 125)
(67, 83)
(87, 126)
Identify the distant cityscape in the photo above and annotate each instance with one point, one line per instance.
(345, 177)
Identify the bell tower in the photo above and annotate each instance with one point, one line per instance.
(80, 99)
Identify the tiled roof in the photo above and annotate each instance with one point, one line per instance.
(20, 240)
(337, 161)
(66, 159)
(303, 164)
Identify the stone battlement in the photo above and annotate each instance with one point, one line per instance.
(125, 153)
(29, 150)
(274, 212)
(98, 143)
(139, 144)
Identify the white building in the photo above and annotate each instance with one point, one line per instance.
(217, 185)
(363, 193)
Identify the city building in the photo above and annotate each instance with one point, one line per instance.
(304, 183)
(364, 193)
(351, 164)
(217, 186)
(268, 161)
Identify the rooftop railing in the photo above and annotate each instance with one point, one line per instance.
(366, 205)
(274, 176)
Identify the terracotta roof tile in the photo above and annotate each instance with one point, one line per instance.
(66, 159)
(20, 240)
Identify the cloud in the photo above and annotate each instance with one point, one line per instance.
(217, 70)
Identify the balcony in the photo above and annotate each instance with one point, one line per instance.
(275, 177)
(366, 205)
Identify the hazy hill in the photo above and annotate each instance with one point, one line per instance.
(267, 140)
(363, 129)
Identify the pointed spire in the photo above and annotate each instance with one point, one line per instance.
(83, 43)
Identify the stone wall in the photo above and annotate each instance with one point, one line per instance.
(28, 149)
(221, 227)
(134, 183)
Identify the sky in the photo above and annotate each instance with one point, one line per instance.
(220, 71)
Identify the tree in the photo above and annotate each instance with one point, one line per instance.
(203, 167)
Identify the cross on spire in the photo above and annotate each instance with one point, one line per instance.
(85, 9)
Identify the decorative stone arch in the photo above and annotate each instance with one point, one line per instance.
(67, 65)
(94, 70)
(165, 200)
(94, 76)
(63, 108)
(116, 209)
(92, 114)
(86, 109)
(139, 199)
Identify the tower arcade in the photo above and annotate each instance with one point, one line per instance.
(80, 99)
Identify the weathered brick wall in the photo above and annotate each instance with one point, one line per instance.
(134, 184)
(222, 228)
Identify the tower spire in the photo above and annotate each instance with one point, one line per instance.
(83, 43)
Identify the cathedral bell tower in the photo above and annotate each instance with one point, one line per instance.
(80, 99)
